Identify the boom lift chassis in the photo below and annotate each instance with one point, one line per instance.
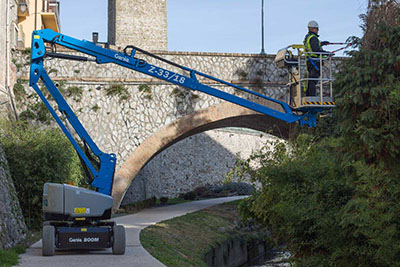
(77, 218)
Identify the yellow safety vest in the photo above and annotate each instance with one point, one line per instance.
(307, 45)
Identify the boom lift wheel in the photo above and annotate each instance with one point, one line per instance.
(48, 240)
(119, 242)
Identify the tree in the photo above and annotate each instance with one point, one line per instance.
(336, 201)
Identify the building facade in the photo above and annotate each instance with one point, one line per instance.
(142, 23)
(36, 15)
(19, 19)
(8, 42)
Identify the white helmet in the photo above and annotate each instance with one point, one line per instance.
(313, 24)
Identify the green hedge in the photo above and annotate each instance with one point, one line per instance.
(36, 156)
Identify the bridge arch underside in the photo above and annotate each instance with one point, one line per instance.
(215, 117)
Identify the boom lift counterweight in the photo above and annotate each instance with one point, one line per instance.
(74, 217)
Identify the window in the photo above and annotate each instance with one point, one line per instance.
(15, 39)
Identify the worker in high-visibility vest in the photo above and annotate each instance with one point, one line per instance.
(312, 44)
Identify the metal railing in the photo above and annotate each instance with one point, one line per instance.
(52, 6)
(325, 77)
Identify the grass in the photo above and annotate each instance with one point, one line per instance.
(185, 240)
(9, 257)
(174, 201)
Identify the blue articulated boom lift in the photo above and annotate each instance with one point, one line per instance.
(78, 218)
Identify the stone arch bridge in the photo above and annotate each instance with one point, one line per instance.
(137, 117)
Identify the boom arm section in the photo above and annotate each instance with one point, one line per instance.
(103, 175)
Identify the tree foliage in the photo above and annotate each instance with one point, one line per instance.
(302, 192)
(36, 156)
(335, 200)
(368, 89)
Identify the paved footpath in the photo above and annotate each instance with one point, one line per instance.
(135, 254)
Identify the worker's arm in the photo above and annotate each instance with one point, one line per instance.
(315, 47)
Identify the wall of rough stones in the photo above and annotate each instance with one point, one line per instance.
(12, 224)
(120, 123)
(205, 158)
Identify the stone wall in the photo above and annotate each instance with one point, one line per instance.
(12, 224)
(237, 252)
(142, 23)
(201, 159)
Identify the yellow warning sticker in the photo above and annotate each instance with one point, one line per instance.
(79, 210)
(36, 37)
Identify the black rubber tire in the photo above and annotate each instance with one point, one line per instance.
(48, 240)
(119, 243)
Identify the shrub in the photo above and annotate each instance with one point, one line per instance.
(150, 202)
(36, 156)
(118, 90)
(163, 200)
(238, 188)
(76, 92)
(216, 188)
(200, 190)
(19, 91)
(146, 90)
(191, 195)
(301, 196)
(36, 112)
